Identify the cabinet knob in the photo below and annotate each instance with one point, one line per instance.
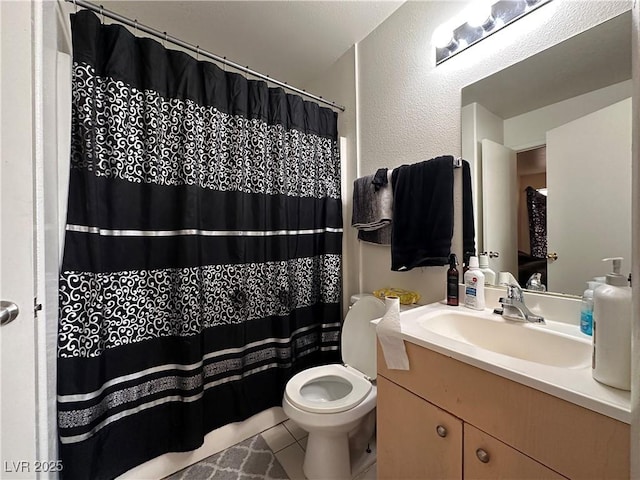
(442, 431)
(482, 455)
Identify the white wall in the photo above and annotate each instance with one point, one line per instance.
(592, 151)
(529, 129)
(409, 109)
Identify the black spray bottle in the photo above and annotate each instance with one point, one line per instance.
(452, 281)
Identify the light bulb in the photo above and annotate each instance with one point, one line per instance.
(479, 14)
(443, 36)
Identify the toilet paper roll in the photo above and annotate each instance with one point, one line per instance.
(390, 336)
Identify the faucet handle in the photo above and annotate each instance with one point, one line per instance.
(514, 291)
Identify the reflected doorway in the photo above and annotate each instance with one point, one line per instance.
(532, 214)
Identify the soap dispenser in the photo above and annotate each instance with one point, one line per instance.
(611, 361)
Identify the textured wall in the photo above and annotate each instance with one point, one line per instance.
(409, 109)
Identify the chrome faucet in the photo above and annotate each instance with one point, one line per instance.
(513, 306)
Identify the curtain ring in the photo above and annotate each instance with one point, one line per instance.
(224, 64)
(198, 52)
(75, 5)
(102, 13)
(135, 26)
(164, 43)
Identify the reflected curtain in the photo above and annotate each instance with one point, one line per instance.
(202, 262)
(537, 209)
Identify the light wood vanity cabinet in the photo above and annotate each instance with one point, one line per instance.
(488, 458)
(420, 439)
(526, 433)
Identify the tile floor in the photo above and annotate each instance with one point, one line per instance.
(288, 441)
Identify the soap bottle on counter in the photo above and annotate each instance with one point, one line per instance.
(452, 281)
(474, 286)
(611, 361)
(489, 275)
(586, 309)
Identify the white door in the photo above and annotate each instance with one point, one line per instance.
(17, 277)
(500, 205)
(589, 196)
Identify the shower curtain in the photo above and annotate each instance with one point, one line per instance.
(202, 262)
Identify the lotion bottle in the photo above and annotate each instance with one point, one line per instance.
(474, 286)
(611, 361)
(489, 275)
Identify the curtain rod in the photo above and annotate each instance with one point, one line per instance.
(196, 49)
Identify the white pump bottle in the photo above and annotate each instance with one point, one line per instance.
(474, 286)
(612, 330)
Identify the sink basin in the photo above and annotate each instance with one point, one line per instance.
(532, 342)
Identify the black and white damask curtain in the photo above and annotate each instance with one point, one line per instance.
(537, 210)
(202, 260)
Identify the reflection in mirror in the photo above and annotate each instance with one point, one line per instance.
(550, 141)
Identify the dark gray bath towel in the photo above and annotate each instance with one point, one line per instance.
(468, 227)
(372, 209)
(423, 214)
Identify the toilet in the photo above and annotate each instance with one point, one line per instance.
(336, 403)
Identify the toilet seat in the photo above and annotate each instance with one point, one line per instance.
(327, 389)
(338, 388)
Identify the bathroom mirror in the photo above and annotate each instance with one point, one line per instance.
(549, 139)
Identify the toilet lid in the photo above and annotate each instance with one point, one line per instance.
(359, 335)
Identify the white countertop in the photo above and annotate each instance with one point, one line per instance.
(575, 385)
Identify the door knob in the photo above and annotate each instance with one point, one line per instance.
(552, 256)
(8, 312)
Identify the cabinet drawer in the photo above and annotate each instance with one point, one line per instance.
(416, 440)
(488, 458)
(570, 439)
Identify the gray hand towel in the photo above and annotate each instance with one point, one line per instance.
(372, 209)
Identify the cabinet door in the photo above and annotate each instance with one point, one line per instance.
(416, 440)
(488, 458)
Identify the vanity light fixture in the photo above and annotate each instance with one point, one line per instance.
(482, 19)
